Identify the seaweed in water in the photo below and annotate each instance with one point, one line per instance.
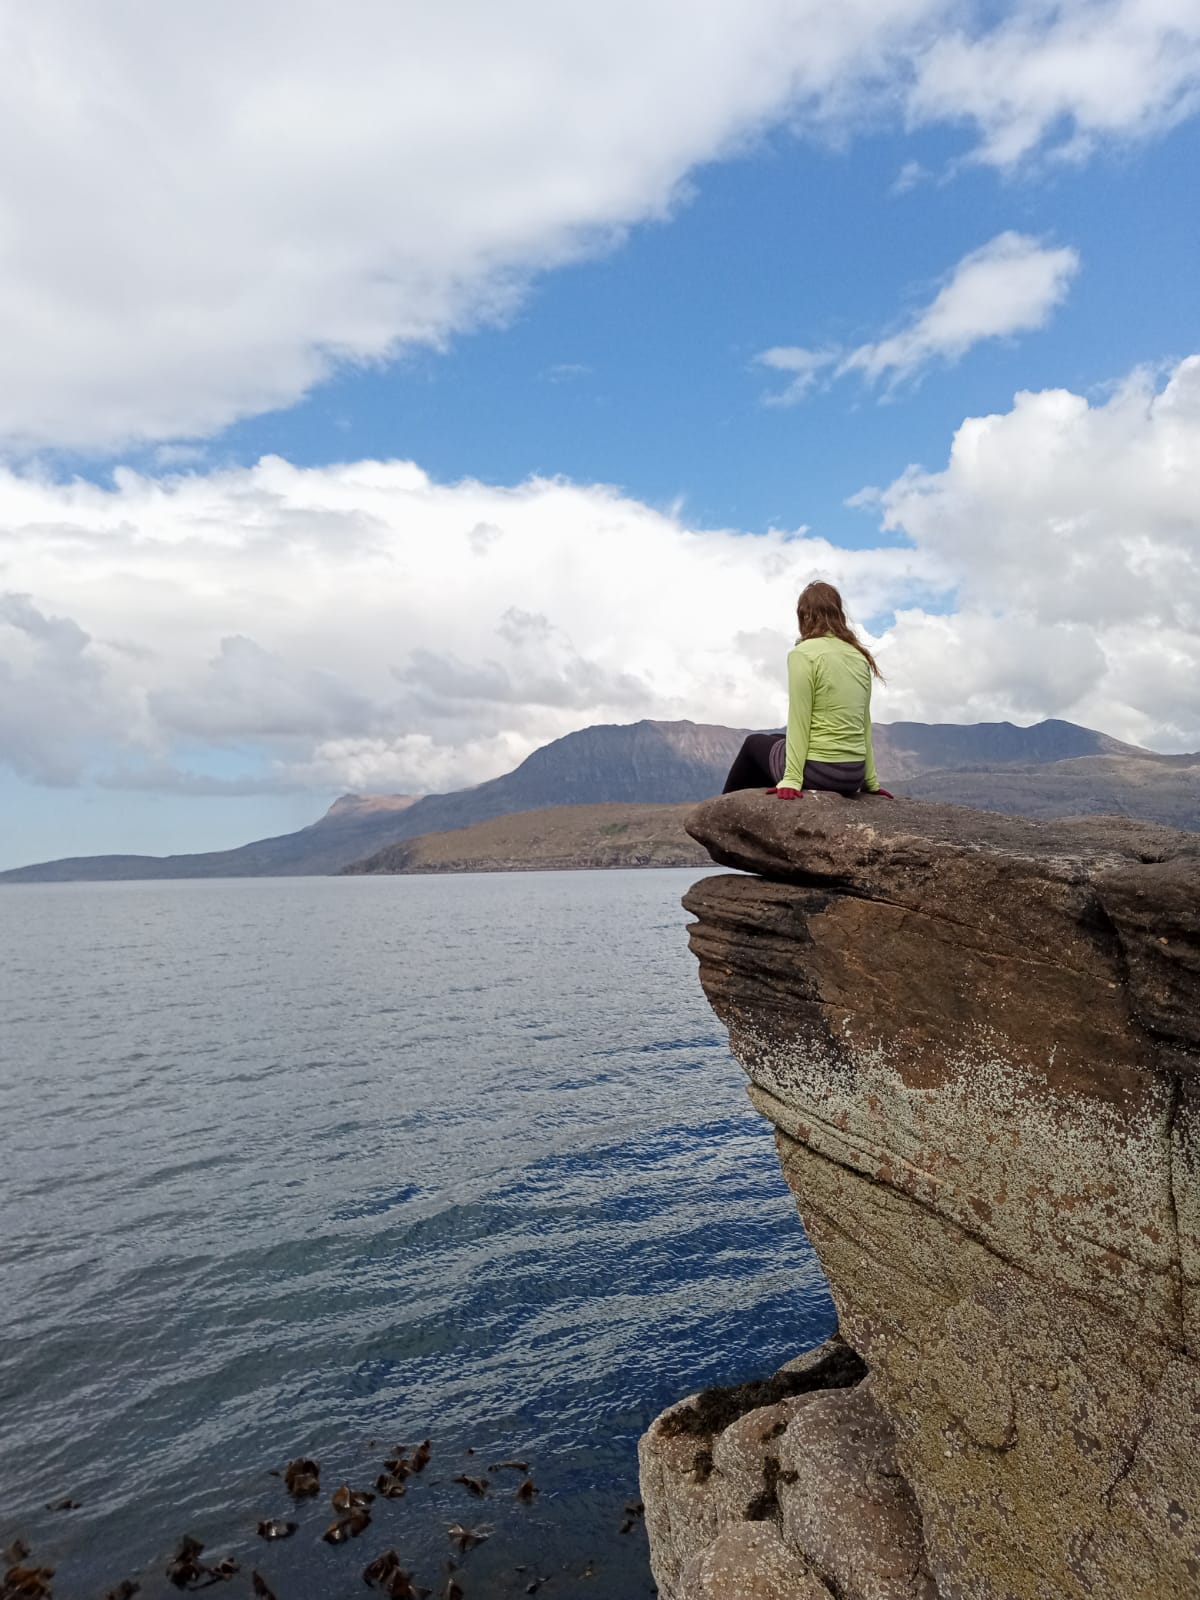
(302, 1477)
(25, 1583)
(467, 1538)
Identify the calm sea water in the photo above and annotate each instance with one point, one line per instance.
(320, 1166)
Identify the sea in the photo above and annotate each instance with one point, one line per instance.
(324, 1167)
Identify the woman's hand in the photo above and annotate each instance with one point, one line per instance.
(787, 794)
(886, 793)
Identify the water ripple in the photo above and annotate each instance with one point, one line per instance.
(299, 1165)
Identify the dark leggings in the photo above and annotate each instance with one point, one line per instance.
(751, 767)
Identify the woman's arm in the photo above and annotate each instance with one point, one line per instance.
(871, 777)
(799, 722)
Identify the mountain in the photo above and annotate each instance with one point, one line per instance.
(555, 838)
(673, 762)
(643, 761)
(661, 763)
(1153, 789)
(904, 749)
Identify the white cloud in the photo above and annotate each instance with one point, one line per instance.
(1074, 531)
(1063, 75)
(341, 627)
(248, 693)
(360, 625)
(54, 706)
(807, 367)
(1076, 513)
(1009, 285)
(210, 207)
(215, 204)
(911, 174)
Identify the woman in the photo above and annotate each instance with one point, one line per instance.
(828, 743)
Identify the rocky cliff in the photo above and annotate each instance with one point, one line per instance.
(978, 1041)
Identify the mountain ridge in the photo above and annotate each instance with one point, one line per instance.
(658, 762)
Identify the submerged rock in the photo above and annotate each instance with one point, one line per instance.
(978, 1040)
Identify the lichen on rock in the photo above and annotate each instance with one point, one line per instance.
(978, 1040)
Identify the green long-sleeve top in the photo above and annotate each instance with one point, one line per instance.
(829, 708)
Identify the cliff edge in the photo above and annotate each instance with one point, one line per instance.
(978, 1040)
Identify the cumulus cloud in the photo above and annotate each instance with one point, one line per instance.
(1064, 76)
(215, 206)
(352, 626)
(1009, 285)
(52, 710)
(1074, 530)
(338, 627)
(1075, 512)
(247, 693)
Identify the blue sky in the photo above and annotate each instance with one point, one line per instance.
(793, 243)
(546, 317)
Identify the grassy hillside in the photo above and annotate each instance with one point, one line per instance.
(558, 837)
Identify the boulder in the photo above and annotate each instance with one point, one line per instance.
(750, 1562)
(710, 1463)
(844, 1501)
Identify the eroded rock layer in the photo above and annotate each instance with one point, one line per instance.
(978, 1039)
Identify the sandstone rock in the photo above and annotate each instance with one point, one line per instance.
(750, 1562)
(746, 1462)
(978, 1040)
(681, 1507)
(704, 1462)
(845, 1503)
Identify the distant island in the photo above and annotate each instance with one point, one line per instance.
(1052, 768)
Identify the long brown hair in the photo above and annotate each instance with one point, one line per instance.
(820, 613)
